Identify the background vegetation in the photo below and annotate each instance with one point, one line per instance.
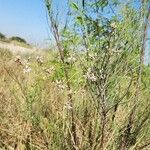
(15, 40)
(2, 36)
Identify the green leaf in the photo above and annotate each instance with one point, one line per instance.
(79, 20)
(74, 6)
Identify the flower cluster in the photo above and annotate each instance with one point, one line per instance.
(102, 76)
(92, 56)
(27, 69)
(18, 59)
(39, 59)
(90, 75)
(113, 25)
(24, 63)
(50, 70)
(71, 59)
(116, 51)
(68, 105)
(60, 84)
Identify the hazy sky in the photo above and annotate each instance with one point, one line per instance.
(26, 18)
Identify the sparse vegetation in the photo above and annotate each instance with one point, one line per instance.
(2, 36)
(92, 92)
(15, 40)
(18, 39)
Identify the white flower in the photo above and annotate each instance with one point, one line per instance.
(83, 91)
(18, 59)
(91, 56)
(25, 62)
(29, 59)
(90, 75)
(60, 84)
(116, 51)
(71, 59)
(70, 91)
(113, 25)
(50, 70)
(68, 105)
(39, 59)
(27, 69)
(21, 61)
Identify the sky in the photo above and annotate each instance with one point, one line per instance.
(27, 19)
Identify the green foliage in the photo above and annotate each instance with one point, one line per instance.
(2, 36)
(18, 39)
(74, 6)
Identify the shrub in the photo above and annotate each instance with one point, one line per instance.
(18, 39)
(2, 36)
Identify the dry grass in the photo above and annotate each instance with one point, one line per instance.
(34, 111)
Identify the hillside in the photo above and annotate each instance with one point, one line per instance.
(15, 48)
(15, 44)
